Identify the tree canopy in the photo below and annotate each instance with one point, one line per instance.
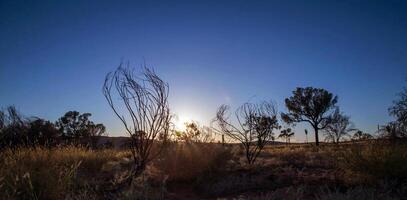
(312, 105)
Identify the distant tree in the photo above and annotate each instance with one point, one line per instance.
(339, 127)
(255, 125)
(399, 108)
(13, 128)
(393, 130)
(359, 135)
(194, 133)
(286, 134)
(310, 105)
(77, 129)
(144, 100)
(43, 133)
(398, 128)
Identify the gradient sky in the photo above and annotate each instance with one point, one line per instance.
(54, 55)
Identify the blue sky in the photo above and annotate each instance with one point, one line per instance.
(54, 55)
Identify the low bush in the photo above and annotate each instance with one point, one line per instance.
(377, 161)
(39, 173)
(189, 161)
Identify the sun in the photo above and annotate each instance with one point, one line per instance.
(180, 121)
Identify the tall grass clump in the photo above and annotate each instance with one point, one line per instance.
(191, 161)
(40, 173)
(377, 160)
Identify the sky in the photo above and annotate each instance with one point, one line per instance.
(54, 55)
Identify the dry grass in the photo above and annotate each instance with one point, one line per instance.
(40, 173)
(190, 161)
(376, 161)
(197, 170)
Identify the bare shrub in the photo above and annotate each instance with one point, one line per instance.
(255, 125)
(144, 100)
(339, 128)
(195, 133)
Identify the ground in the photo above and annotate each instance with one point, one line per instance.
(209, 171)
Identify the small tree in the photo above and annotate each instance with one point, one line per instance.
(77, 129)
(142, 108)
(42, 132)
(398, 128)
(255, 125)
(286, 134)
(359, 135)
(194, 133)
(310, 105)
(339, 127)
(13, 128)
(399, 108)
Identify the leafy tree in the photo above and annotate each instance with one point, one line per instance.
(194, 133)
(359, 135)
(398, 128)
(77, 129)
(253, 128)
(312, 105)
(399, 108)
(286, 134)
(339, 127)
(393, 130)
(42, 132)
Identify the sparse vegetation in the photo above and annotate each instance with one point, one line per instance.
(255, 126)
(43, 160)
(144, 97)
(311, 105)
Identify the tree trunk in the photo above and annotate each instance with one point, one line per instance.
(316, 136)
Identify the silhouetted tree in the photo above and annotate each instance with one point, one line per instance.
(339, 127)
(43, 133)
(310, 105)
(255, 125)
(144, 99)
(306, 135)
(77, 129)
(194, 133)
(286, 134)
(13, 128)
(393, 131)
(399, 107)
(398, 128)
(359, 135)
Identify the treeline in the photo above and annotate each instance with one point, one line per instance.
(73, 128)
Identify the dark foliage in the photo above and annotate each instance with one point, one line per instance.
(73, 128)
(77, 129)
(312, 105)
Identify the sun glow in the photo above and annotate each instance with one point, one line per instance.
(181, 120)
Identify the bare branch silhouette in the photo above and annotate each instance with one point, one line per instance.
(254, 126)
(144, 100)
